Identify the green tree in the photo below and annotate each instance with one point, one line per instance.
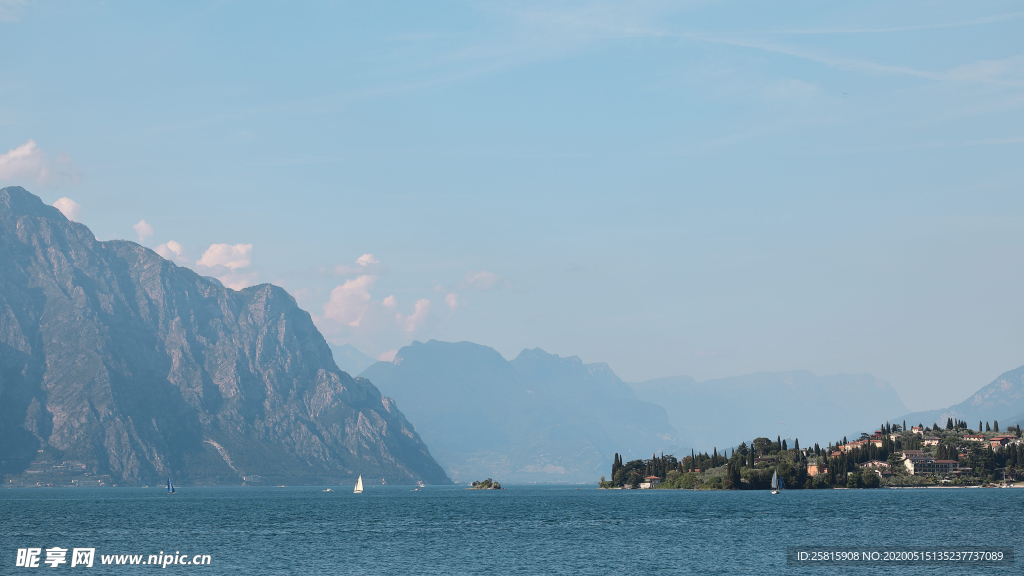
(995, 425)
(987, 427)
(796, 443)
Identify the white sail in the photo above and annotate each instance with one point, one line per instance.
(775, 481)
(359, 485)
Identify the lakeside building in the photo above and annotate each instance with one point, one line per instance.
(919, 430)
(652, 481)
(974, 437)
(930, 441)
(927, 466)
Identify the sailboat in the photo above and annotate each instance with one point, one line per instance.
(359, 485)
(170, 487)
(776, 482)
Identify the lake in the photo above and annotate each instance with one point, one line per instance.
(521, 530)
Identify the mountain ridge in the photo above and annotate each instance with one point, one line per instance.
(723, 412)
(536, 418)
(1002, 400)
(117, 358)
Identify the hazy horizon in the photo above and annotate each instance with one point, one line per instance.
(669, 189)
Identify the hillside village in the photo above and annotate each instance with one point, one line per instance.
(891, 456)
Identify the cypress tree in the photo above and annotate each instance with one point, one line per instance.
(796, 443)
(778, 442)
(784, 445)
(980, 429)
(987, 427)
(995, 425)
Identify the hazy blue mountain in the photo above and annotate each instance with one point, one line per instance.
(1002, 400)
(116, 358)
(538, 418)
(727, 411)
(350, 359)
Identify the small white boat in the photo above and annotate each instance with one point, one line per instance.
(328, 490)
(359, 485)
(776, 483)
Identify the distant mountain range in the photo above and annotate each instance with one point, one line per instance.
(350, 359)
(726, 411)
(1002, 401)
(537, 418)
(114, 358)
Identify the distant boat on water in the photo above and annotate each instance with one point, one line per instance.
(170, 487)
(777, 483)
(359, 485)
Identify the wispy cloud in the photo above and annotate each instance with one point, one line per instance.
(10, 10)
(365, 264)
(27, 162)
(452, 300)
(892, 29)
(485, 280)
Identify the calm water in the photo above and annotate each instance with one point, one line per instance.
(521, 530)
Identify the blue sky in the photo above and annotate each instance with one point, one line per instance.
(702, 188)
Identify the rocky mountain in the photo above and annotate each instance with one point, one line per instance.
(726, 411)
(350, 359)
(539, 418)
(131, 367)
(1002, 400)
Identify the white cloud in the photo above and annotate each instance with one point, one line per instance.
(388, 356)
(349, 302)
(413, 321)
(144, 230)
(365, 264)
(485, 280)
(172, 251)
(238, 280)
(28, 162)
(390, 302)
(233, 257)
(452, 300)
(69, 208)
(366, 260)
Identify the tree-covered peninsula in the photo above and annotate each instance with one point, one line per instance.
(892, 456)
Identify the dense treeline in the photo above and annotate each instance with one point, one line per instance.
(840, 464)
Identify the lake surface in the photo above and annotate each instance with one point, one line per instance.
(520, 530)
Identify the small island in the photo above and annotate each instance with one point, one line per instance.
(485, 485)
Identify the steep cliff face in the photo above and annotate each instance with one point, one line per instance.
(140, 369)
